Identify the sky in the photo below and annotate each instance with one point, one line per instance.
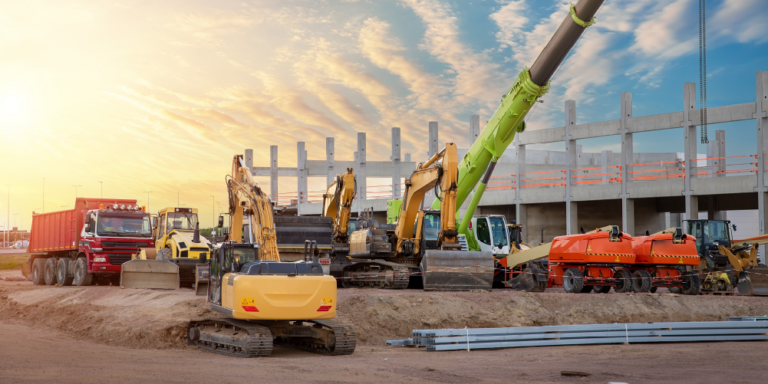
(130, 97)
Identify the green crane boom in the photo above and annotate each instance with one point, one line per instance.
(531, 84)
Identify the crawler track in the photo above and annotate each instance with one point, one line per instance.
(377, 274)
(338, 339)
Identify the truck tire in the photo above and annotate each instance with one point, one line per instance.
(691, 283)
(63, 277)
(165, 254)
(50, 271)
(573, 281)
(38, 271)
(623, 281)
(82, 277)
(641, 281)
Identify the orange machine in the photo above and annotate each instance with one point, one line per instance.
(665, 259)
(596, 260)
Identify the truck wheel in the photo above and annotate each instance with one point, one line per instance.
(165, 254)
(50, 271)
(623, 281)
(573, 281)
(38, 271)
(82, 277)
(691, 283)
(641, 281)
(63, 277)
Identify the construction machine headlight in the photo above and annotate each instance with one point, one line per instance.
(122, 206)
(136, 207)
(99, 259)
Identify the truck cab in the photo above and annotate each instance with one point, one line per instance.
(492, 234)
(111, 234)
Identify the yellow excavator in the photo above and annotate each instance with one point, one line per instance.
(337, 205)
(265, 301)
(176, 258)
(423, 243)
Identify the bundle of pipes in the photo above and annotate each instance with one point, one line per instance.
(741, 329)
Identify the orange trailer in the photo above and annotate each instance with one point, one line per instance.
(596, 260)
(666, 259)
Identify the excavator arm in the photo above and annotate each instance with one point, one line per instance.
(441, 168)
(337, 204)
(248, 204)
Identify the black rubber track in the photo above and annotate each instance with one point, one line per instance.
(259, 343)
(343, 334)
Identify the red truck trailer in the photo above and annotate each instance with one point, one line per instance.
(87, 244)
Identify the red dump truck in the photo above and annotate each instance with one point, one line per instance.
(88, 244)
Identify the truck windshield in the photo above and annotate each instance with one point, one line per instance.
(119, 225)
(499, 230)
(177, 220)
(717, 231)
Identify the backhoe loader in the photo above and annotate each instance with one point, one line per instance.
(176, 258)
(423, 243)
(265, 301)
(728, 263)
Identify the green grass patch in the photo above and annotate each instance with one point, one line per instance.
(11, 261)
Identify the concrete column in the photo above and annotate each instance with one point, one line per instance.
(690, 156)
(519, 170)
(434, 146)
(330, 174)
(605, 161)
(273, 171)
(407, 157)
(521, 217)
(360, 172)
(761, 117)
(572, 162)
(716, 166)
(721, 163)
(474, 128)
(395, 163)
(627, 158)
(301, 173)
(248, 158)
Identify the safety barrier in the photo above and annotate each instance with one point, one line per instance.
(614, 177)
(552, 184)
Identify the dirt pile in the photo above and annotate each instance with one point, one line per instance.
(157, 319)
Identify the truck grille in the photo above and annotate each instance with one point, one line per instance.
(119, 259)
(115, 244)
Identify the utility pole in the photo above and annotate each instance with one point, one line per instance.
(76, 186)
(148, 192)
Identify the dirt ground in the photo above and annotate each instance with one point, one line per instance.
(147, 327)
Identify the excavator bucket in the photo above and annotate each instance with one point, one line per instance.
(149, 274)
(202, 275)
(457, 270)
(753, 282)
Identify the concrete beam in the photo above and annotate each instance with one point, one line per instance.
(329, 161)
(395, 163)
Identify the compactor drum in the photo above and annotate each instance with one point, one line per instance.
(268, 303)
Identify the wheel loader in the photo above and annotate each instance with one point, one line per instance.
(265, 301)
(176, 258)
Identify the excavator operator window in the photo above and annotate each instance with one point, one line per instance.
(483, 233)
(431, 227)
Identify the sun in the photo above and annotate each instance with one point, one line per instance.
(12, 108)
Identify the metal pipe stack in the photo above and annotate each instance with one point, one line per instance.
(737, 329)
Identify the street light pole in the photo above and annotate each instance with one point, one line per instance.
(213, 211)
(76, 186)
(148, 192)
(102, 189)
(8, 218)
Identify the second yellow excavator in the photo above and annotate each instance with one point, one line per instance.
(424, 244)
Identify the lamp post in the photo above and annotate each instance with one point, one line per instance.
(213, 211)
(76, 186)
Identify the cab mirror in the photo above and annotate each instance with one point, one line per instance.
(221, 221)
(734, 227)
(88, 228)
(154, 222)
